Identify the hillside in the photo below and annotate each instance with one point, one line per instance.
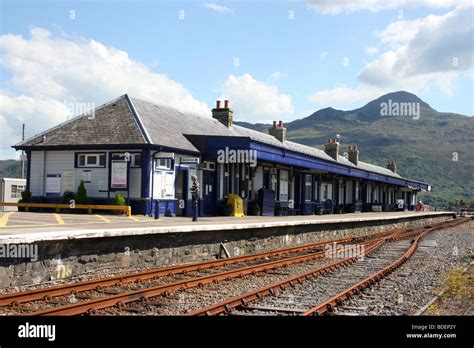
(424, 147)
(10, 169)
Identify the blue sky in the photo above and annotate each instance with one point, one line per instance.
(293, 57)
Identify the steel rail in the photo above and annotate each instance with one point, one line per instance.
(65, 289)
(143, 294)
(329, 304)
(245, 299)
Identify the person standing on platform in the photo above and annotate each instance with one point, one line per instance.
(195, 196)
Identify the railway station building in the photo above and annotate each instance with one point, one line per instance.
(148, 152)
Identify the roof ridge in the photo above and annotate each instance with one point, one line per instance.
(138, 120)
(173, 107)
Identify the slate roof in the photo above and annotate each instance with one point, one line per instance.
(134, 121)
(111, 123)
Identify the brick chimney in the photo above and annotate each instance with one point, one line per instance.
(392, 166)
(278, 131)
(223, 115)
(353, 154)
(332, 148)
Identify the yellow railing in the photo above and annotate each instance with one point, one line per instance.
(125, 208)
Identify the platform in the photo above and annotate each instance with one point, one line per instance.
(22, 227)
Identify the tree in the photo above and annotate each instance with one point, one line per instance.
(81, 195)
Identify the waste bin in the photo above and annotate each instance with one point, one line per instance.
(266, 201)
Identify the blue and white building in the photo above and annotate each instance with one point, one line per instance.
(148, 152)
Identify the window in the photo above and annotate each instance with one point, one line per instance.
(326, 191)
(163, 163)
(135, 158)
(91, 160)
(17, 190)
(308, 188)
(283, 185)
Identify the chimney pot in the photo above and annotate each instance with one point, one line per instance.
(332, 148)
(392, 166)
(278, 131)
(223, 115)
(353, 154)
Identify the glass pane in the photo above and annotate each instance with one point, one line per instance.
(91, 160)
(136, 159)
(82, 160)
(102, 160)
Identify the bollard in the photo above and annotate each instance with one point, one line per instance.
(157, 209)
(195, 209)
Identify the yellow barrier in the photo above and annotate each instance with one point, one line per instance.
(237, 205)
(125, 208)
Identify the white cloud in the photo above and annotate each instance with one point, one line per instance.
(323, 55)
(255, 100)
(371, 50)
(37, 112)
(334, 7)
(49, 70)
(425, 56)
(438, 42)
(217, 7)
(345, 97)
(276, 76)
(399, 32)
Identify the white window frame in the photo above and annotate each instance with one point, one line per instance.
(16, 191)
(90, 155)
(306, 184)
(284, 192)
(158, 166)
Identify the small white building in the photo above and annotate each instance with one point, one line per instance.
(10, 191)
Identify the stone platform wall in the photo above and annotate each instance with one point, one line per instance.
(68, 258)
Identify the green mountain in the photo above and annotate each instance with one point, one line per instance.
(433, 147)
(10, 169)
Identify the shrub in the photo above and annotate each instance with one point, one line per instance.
(118, 200)
(25, 197)
(68, 196)
(81, 195)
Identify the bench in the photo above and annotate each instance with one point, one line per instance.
(57, 207)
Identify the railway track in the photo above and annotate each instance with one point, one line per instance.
(144, 287)
(321, 290)
(109, 284)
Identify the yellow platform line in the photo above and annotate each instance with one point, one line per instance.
(4, 218)
(59, 219)
(103, 218)
(132, 218)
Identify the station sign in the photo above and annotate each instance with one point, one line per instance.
(189, 160)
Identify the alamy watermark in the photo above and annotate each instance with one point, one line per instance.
(19, 251)
(339, 251)
(391, 108)
(227, 155)
(76, 108)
